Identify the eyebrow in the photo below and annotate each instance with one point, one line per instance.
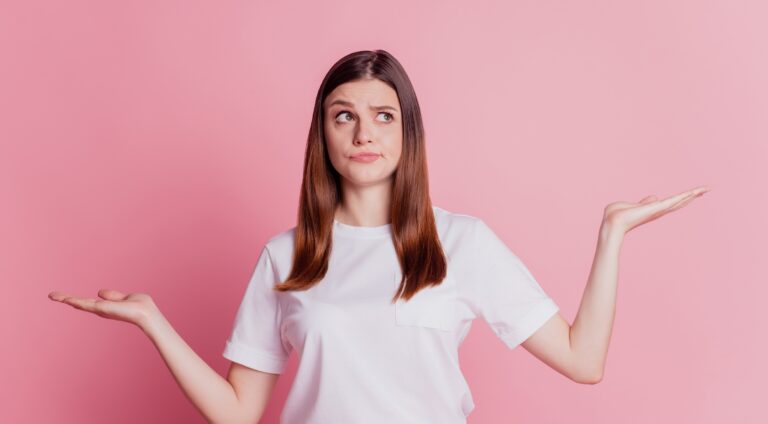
(346, 103)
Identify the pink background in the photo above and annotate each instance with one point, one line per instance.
(155, 146)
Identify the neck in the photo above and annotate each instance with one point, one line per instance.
(365, 206)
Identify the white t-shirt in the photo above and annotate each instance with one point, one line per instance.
(365, 360)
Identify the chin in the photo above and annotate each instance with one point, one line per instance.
(366, 182)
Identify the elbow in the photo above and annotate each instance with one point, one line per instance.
(592, 377)
(231, 420)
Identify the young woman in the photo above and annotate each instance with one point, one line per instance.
(375, 287)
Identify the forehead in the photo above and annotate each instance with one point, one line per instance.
(364, 92)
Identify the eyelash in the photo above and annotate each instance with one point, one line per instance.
(391, 116)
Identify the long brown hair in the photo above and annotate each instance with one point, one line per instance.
(414, 234)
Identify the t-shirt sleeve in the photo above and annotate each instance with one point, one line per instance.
(502, 290)
(255, 340)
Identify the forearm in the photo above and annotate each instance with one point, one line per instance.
(211, 393)
(590, 333)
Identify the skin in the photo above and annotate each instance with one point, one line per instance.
(577, 351)
(359, 126)
(349, 128)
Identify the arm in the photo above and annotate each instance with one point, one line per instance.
(253, 388)
(241, 398)
(580, 351)
(590, 334)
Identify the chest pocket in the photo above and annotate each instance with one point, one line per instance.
(432, 307)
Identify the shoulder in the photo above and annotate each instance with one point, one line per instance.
(467, 236)
(450, 223)
(458, 232)
(279, 247)
(282, 239)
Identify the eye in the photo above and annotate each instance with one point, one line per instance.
(390, 117)
(341, 113)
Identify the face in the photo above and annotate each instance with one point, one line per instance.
(362, 117)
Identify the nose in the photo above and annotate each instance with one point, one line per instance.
(363, 133)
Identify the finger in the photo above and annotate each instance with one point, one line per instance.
(680, 203)
(699, 190)
(58, 296)
(81, 303)
(704, 188)
(684, 202)
(112, 294)
(671, 201)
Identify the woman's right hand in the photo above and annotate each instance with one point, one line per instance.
(135, 308)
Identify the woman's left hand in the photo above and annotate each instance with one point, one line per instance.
(624, 216)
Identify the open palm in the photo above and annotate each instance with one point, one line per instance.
(135, 308)
(625, 216)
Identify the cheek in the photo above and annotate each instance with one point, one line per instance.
(331, 142)
(395, 146)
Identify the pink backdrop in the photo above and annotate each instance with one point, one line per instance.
(155, 146)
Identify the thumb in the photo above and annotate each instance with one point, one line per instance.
(648, 199)
(112, 294)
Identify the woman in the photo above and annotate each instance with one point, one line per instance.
(375, 287)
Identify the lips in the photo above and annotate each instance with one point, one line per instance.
(365, 155)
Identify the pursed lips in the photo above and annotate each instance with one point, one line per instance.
(365, 156)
